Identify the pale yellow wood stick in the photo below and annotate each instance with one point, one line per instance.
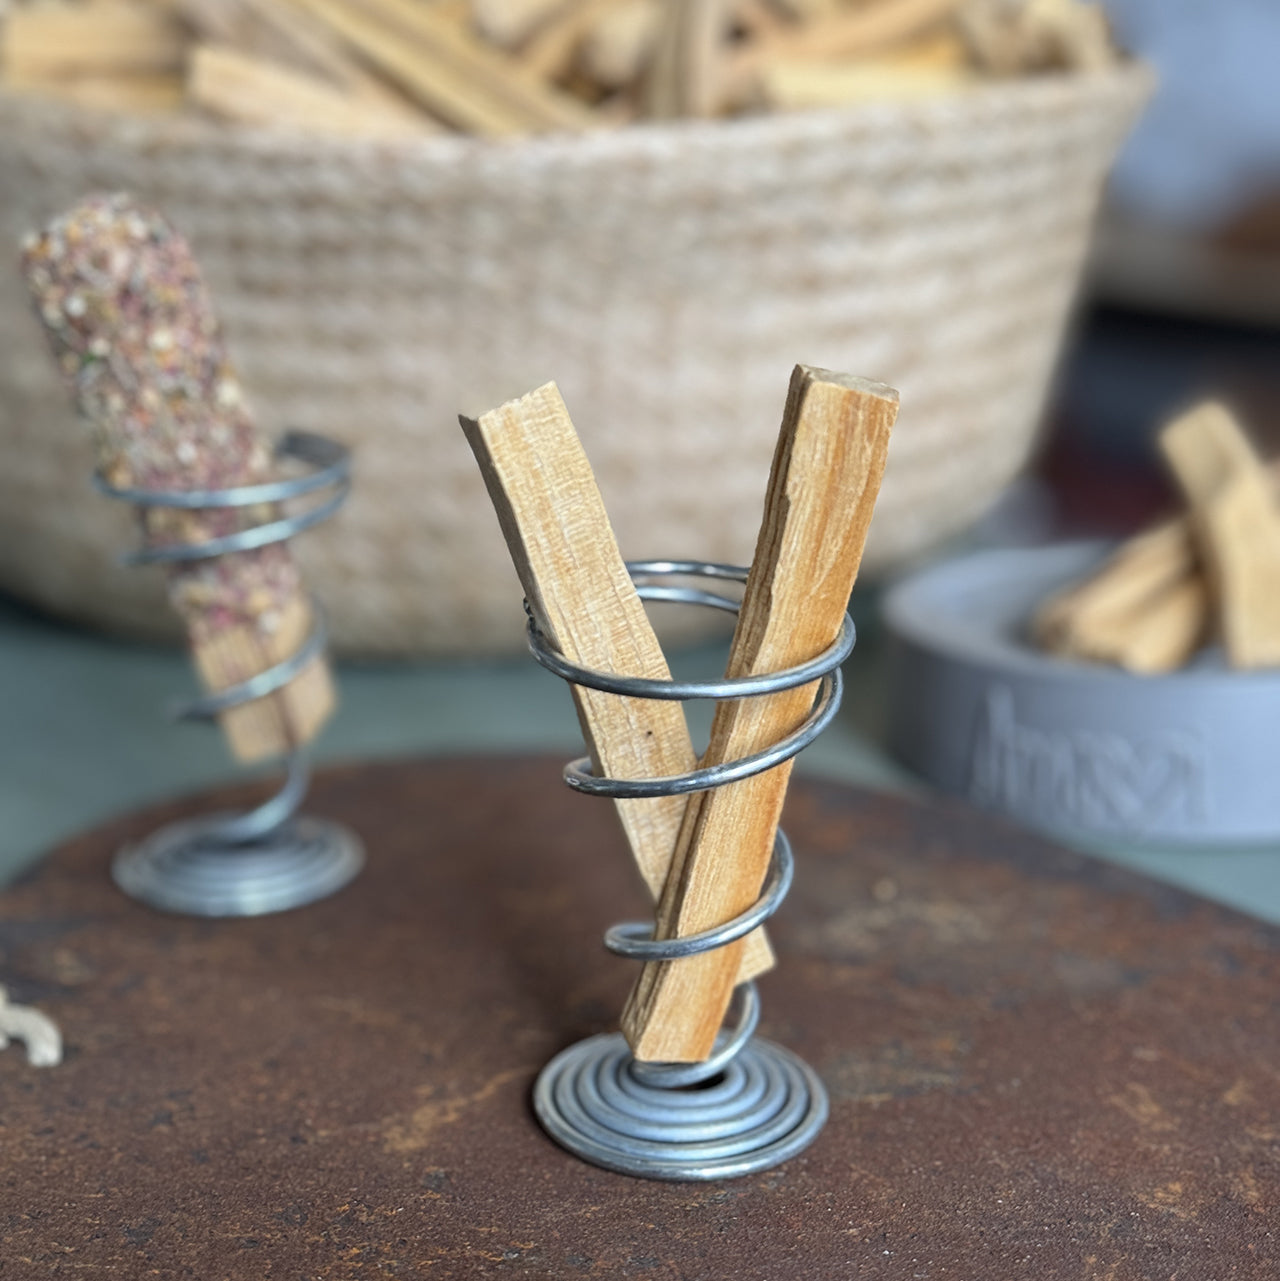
(549, 54)
(1237, 528)
(685, 74)
(582, 597)
(509, 23)
(848, 33)
(277, 31)
(139, 93)
(239, 88)
(822, 490)
(39, 43)
(1157, 633)
(455, 77)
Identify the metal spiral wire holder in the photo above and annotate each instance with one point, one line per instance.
(752, 1104)
(271, 858)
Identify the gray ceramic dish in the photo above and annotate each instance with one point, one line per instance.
(1074, 748)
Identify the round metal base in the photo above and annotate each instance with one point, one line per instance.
(765, 1106)
(183, 868)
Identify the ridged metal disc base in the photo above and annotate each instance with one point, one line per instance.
(182, 869)
(765, 1106)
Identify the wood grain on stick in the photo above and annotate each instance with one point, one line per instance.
(583, 600)
(822, 490)
(1237, 527)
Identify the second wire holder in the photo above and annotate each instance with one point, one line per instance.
(271, 858)
(752, 1104)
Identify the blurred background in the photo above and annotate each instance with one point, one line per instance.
(1038, 352)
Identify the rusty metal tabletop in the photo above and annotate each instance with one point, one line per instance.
(1040, 1066)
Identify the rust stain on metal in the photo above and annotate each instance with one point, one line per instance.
(1040, 1066)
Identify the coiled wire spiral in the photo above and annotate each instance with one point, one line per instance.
(752, 1104)
(271, 858)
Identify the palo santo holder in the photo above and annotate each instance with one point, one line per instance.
(271, 858)
(752, 1104)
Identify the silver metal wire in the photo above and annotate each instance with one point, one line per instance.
(751, 1104)
(270, 858)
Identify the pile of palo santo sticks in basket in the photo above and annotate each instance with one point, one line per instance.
(502, 67)
(1211, 575)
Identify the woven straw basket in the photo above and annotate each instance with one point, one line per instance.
(668, 278)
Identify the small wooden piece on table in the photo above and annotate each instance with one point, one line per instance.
(1237, 527)
(583, 601)
(135, 335)
(822, 490)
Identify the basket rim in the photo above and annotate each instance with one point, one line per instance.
(1129, 83)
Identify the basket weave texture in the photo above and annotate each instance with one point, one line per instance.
(667, 278)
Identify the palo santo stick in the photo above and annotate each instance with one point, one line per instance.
(550, 53)
(849, 33)
(132, 93)
(617, 47)
(798, 86)
(1139, 569)
(822, 489)
(245, 90)
(275, 31)
(1237, 527)
(45, 43)
(509, 23)
(685, 73)
(583, 600)
(456, 78)
(135, 335)
(1037, 35)
(1157, 636)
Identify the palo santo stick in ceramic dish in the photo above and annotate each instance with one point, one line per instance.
(1237, 527)
(1146, 610)
(822, 489)
(583, 601)
(136, 338)
(1158, 632)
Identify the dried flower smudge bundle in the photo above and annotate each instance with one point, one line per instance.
(136, 338)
